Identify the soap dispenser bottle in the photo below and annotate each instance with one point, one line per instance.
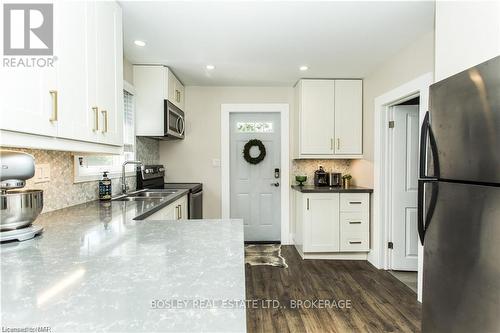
(105, 187)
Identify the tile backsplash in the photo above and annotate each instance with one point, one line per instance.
(147, 150)
(61, 191)
(307, 168)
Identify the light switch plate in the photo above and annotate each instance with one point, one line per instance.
(42, 173)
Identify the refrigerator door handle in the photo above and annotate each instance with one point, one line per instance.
(423, 145)
(424, 218)
(426, 133)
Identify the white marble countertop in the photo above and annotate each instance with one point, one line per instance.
(96, 269)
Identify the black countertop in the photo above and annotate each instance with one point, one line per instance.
(326, 189)
(192, 187)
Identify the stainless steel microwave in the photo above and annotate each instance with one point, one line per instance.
(174, 122)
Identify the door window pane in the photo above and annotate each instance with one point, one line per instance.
(255, 127)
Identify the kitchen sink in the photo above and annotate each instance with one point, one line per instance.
(145, 195)
(154, 194)
(129, 198)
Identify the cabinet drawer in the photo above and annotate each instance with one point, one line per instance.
(354, 202)
(354, 231)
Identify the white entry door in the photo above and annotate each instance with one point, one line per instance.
(404, 187)
(255, 188)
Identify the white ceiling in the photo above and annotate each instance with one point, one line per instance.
(264, 43)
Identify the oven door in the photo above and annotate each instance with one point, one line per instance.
(174, 121)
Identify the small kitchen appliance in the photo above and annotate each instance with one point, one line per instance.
(320, 177)
(334, 179)
(19, 208)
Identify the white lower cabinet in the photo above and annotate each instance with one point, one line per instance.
(321, 223)
(332, 222)
(177, 210)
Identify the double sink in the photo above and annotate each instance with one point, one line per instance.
(146, 194)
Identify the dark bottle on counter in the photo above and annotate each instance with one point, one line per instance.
(105, 187)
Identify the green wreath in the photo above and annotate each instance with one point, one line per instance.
(246, 151)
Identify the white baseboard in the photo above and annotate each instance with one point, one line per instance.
(332, 255)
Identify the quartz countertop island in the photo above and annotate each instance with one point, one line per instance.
(95, 268)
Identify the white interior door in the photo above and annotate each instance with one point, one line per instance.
(404, 187)
(254, 189)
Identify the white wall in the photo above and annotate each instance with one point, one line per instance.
(128, 71)
(408, 64)
(190, 160)
(467, 33)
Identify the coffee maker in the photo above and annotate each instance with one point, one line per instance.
(320, 177)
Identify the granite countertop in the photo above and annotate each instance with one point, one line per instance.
(95, 268)
(326, 189)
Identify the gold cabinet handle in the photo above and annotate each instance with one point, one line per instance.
(95, 109)
(338, 144)
(307, 203)
(53, 93)
(178, 96)
(178, 211)
(105, 117)
(331, 144)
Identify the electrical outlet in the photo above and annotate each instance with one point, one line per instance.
(42, 173)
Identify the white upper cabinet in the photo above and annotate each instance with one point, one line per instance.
(81, 97)
(175, 90)
(71, 21)
(153, 85)
(28, 101)
(109, 69)
(317, 104)
(150, 93)
(348, 117)
(329, 119)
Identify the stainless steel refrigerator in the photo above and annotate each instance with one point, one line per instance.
(459, 203)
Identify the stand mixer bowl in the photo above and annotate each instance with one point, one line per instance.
(19, 208)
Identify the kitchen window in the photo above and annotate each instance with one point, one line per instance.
(91, 167)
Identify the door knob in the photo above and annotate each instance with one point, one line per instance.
(277, 184)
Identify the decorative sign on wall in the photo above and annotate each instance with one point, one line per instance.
(246, 151)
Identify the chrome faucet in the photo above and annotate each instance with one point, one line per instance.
(124, 184)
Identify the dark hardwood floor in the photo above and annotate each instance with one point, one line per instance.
(379, 302)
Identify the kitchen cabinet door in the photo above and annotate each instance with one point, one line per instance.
(109, 71)
(167, 213)
(26, 102)
(175, 90)
(179, 94)
(348, 117)
(317, 107)
(321, 222)
(183, 208)
(73, 32)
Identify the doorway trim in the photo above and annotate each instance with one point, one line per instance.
(283, 110)
(379, 256)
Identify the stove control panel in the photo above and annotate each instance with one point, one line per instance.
(151, 171)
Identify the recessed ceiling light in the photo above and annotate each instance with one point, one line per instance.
(303, 68)
(210, 67)
(139, 43)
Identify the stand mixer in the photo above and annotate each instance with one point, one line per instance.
(18, 208)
